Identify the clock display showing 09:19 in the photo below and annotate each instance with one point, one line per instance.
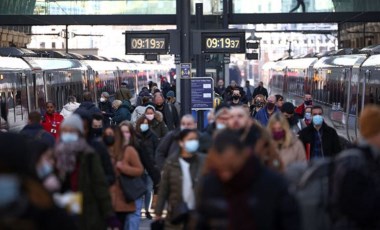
(222, 43)
(147, 43)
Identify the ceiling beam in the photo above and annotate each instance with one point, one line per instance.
(266, 18)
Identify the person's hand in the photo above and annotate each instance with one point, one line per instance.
(119, 165)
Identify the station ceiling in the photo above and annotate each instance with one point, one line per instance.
(163, 12)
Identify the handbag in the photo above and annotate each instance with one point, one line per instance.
(132, 187)
(181, 213)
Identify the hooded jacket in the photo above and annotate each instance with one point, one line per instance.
(158, 126)
(69, 109)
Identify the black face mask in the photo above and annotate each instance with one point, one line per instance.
(270, 105)
(236, 97)
(109, 140)
(310, 102)
(97, 132)
(159, 106)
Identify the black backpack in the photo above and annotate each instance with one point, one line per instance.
(315, 192)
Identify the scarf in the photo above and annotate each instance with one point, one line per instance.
(67, 155)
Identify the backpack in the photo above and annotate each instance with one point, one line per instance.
(314, 191)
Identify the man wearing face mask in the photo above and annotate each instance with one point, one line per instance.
(169, 145)
(308, 101)
(319, 139)
(260, 90)
(270, 108)
(287, 110)
(168, 111)
(236, 98)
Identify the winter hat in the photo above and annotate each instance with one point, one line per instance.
(369, 121)
(74, 121)
(288, 108)
(150, 107)
(105, 94)
(170, 94)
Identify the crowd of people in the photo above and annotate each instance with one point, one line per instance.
(100, 167)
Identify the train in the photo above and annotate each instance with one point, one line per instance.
(28, 81)
(343, 81)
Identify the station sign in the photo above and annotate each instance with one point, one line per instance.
(147, 42)
(202, 93)
(185, 70)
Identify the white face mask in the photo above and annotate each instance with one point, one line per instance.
(144, 127)
(220, 126)
(191, 146)
(102, 99)
(149, 116)
(69, 137)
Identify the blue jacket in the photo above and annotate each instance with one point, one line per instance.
(263, 117)
(122, 114)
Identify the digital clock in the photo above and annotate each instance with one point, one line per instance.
(147, 43)
(223, 42)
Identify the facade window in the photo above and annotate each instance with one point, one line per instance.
(42, 45)
(53, 45)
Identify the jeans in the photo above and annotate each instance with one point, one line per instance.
(148, 194)
(132, 220)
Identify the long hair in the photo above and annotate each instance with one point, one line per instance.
(278, 117)
(132, 140)
(139, 122)
(258, 139)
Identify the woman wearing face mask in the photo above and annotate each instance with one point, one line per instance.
(290, 148)
(257, 103)
(106, 107)
(181, 174)
(81, 172)
(125, 159)
(148, 142)
(307, 120)
(155, 122)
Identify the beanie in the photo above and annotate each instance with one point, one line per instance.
(74, 121)
(170, 94)
(369, 121)
(288, 108)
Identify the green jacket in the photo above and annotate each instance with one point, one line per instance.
(171, 182)
(96, 198)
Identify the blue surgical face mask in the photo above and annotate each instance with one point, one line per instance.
(191, 146)
(69, 137)
(220, 126)
(144, 127)
(317, 120)
(44, 170)
(10, 189)
(307, 116)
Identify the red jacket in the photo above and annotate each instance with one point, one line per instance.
(300, 110)
(51, 123)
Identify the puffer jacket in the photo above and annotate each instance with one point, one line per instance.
(158, 126)
(295, 152)
(121, 114)
(69, 109)
(171, 185)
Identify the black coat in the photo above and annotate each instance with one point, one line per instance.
(256, 198)
(260, 90)
(147, 145)
(37, 132)
(330, 139)
(107, 166)
(170, 115)
(88, 108)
